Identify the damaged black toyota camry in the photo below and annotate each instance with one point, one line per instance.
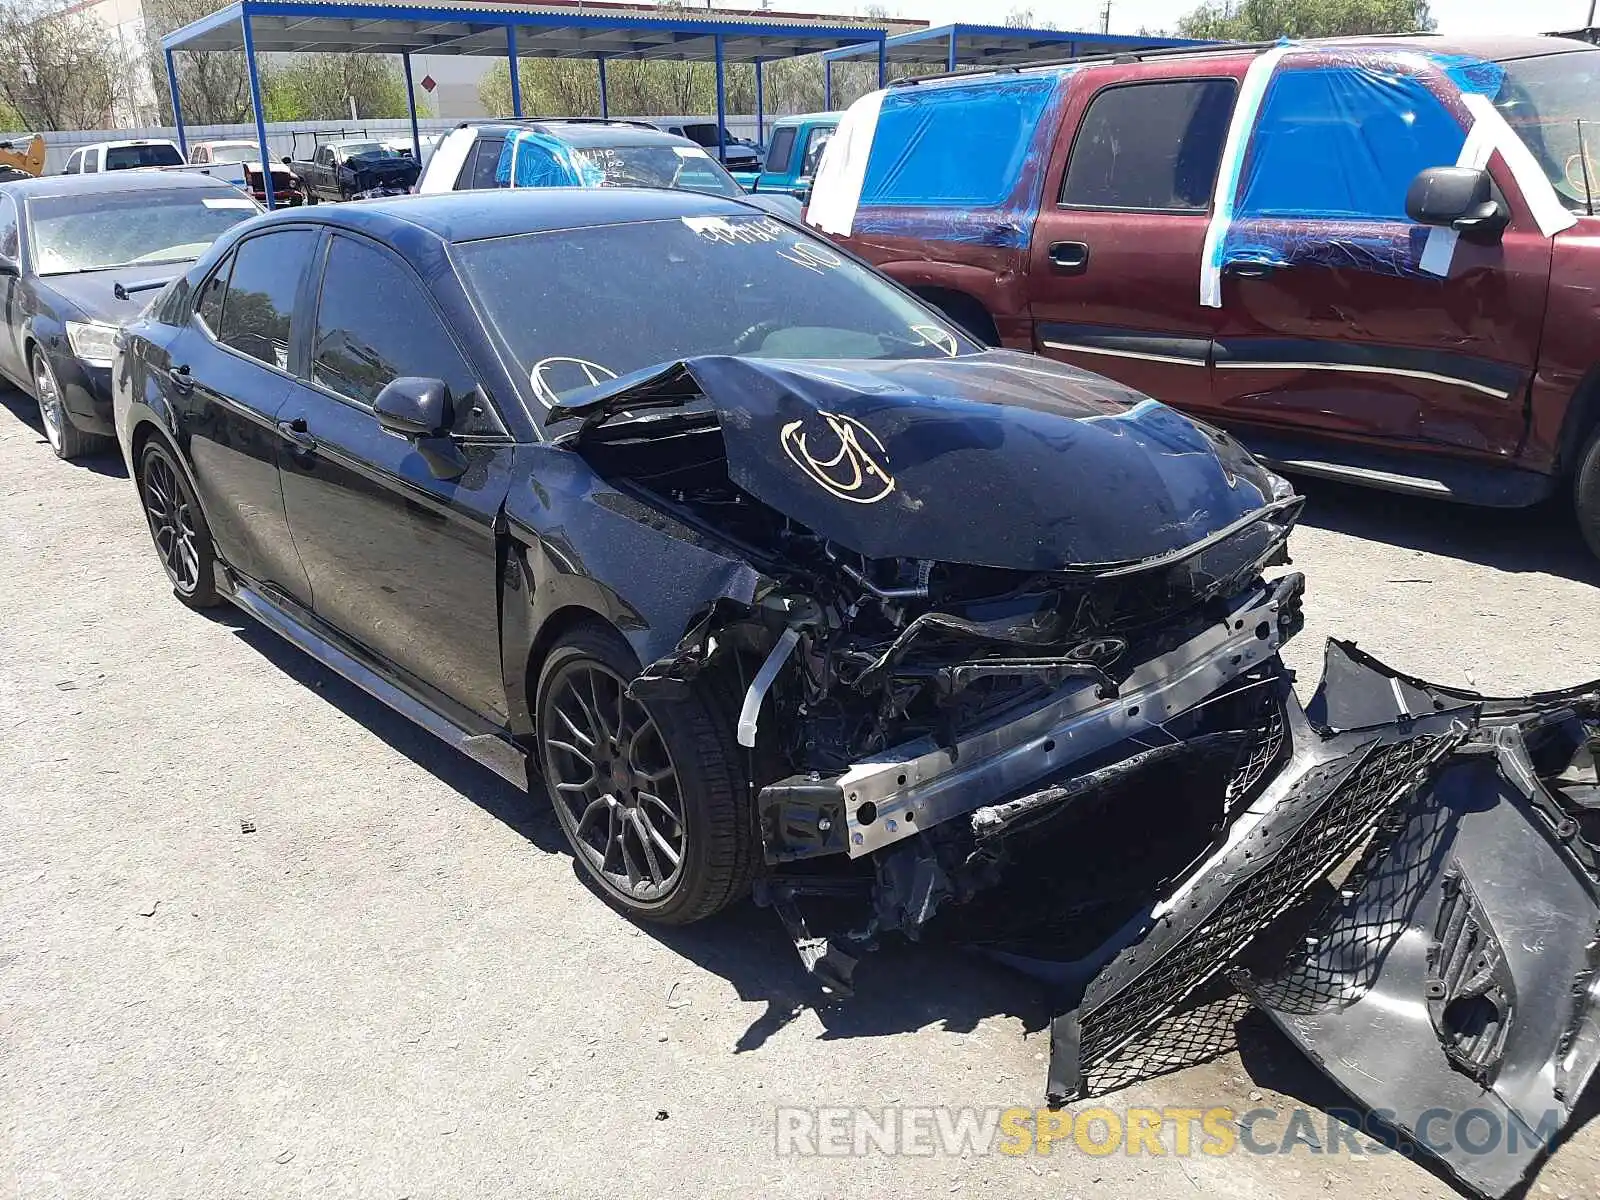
(778, 582)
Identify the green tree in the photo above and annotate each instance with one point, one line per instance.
(212, 87)
(1264, 20)
(57, 66)
(320, 87)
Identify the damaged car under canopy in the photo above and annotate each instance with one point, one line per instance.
(792, 588)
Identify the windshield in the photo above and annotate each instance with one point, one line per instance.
(236, 154)
(569, 305)
(351, 149)
(122, 158)
(680, 167)
(98, 230)
(1553, 102)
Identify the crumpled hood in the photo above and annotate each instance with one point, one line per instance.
(998, 459)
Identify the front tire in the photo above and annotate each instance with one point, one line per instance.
(651, 798)
(178, 528)
(66, 439)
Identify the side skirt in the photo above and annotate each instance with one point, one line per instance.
(414, 700)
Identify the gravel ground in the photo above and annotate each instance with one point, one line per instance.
(396, 985)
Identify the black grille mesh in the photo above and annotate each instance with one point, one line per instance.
(1356, 806)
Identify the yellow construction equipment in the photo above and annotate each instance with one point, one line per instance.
(22, 152)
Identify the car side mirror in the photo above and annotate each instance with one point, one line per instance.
(286, 160)
(1459, 198)
(421, 411)
(9, 267)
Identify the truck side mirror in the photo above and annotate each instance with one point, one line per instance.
(1459, 198)
(287, 160)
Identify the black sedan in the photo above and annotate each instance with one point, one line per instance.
(737, 543)
(80, 254)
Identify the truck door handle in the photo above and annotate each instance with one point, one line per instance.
(182, 380)
(1069, 258)
(295, 431)
(1250, 269)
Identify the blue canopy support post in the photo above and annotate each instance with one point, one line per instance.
(827, 84)
(177, 109)
(761, 109)
(722, 106)
(411, 105)
(605, 104)
(516, 81)
(950, 54)
(255, 104)
(883, 61)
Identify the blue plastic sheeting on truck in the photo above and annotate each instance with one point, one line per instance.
(1325, 149)
(970, 155)
(533, 159)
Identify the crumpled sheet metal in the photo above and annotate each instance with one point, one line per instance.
(1444, 921)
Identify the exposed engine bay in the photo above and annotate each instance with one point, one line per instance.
(1092, 764)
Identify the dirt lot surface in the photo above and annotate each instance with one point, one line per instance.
(397, 987)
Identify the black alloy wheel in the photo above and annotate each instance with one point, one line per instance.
(178, 528)
(647, 799)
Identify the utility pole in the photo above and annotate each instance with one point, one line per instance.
(1105, 17)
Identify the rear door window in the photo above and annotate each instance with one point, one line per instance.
(1151, 147)
(778, 153)
(479, 169)
(258, 309)
(123, 158)
(212, 292)
(360, 343)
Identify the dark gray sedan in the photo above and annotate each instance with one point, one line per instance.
(79, 255)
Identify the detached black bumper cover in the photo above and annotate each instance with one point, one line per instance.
(1429, 856)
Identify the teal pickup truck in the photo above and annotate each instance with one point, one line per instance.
(794, 148)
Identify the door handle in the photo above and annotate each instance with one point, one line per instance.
(180, 377)
(1251, 269)
(1069, 258)
(295, 431)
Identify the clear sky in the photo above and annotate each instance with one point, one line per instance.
(1453, 16)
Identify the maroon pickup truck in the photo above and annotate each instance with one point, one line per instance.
(1373, 259)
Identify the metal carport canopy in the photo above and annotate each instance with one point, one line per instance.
(368, 27)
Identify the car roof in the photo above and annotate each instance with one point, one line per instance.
(118, 181)
(593, 133)
(126, 142)
(802, 118)
(1488, 47)
(474, 215)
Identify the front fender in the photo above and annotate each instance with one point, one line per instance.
(575, 542)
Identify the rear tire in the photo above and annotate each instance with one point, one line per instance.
(178, 528)
(651, 798)
(66, 439)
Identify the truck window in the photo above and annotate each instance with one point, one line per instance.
(778, 152)
(815, 145)
(1333, 142)
(1150, 146)
(956, 145)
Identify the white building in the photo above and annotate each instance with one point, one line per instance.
(135, 102)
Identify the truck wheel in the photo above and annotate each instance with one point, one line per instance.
(650, 796)
(1586, 493)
